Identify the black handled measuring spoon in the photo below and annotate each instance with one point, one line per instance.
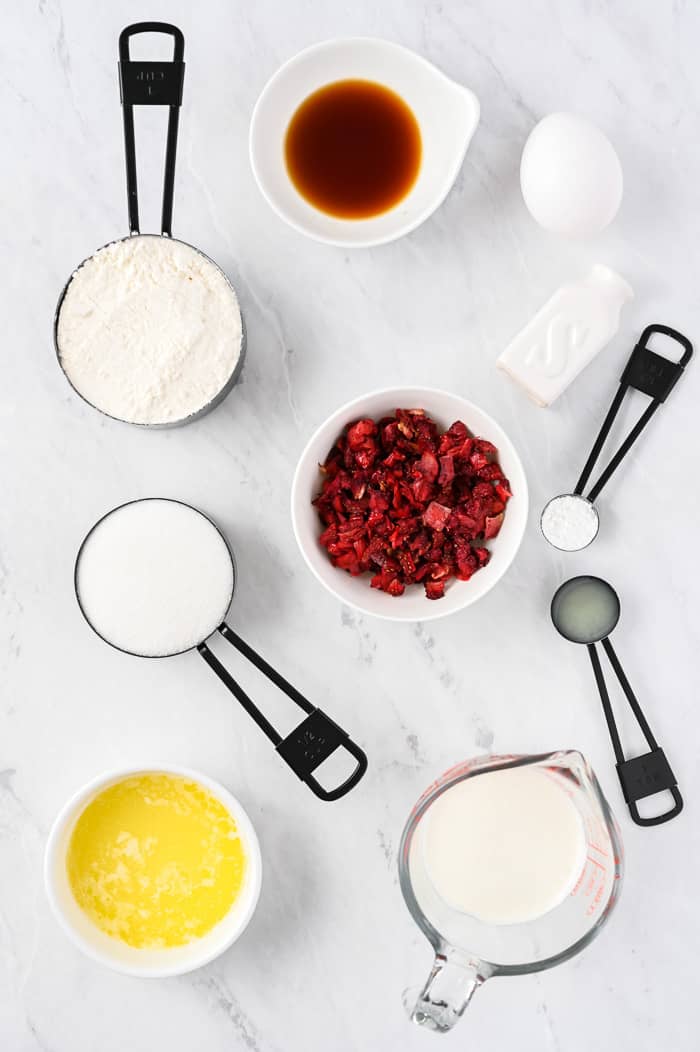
(586, 610)
(570, 521)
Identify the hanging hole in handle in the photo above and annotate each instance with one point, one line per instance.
(663, 340)
(165, 31)
(309, 747)
(651, 803)
(335, 770)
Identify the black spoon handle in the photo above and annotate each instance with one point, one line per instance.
(151, 84)
(640, 776)
(653, 375)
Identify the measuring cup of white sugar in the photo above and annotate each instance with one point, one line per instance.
(148, 330)
(155, 578)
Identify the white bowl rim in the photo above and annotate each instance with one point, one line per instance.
(410, 225)
(53, 856)
(343, 411)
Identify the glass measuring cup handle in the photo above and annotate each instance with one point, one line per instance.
(306, 747)
(447, 992)
(151, 84)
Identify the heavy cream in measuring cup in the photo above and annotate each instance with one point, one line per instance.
(505, 846)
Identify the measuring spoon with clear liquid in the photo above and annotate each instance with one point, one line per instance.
(586, 610)
(570, 521)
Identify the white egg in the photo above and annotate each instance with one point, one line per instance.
(570, 176)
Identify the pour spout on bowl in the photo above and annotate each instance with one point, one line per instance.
(447, 992)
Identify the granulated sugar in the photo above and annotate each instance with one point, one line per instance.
(569, 522)
(154, 577)
(149, 330)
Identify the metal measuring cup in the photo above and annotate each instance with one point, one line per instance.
(312, 742)
(586, 610)
(653, 375)
(151, 83)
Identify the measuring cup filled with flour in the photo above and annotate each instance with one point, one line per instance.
(148, 330)
(155, 578)
(508, 865)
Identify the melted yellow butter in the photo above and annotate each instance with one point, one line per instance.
(155, 860)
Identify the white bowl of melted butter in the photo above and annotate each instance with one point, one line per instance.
(153, 871)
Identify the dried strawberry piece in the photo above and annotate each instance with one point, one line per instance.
(422, 490)
(483, 491)
(454, 436)
(493, 526)
(447, 469)
(491, 471)
(427, 466)
(358, 433)
(478, 460)
(434, 589)
(436, 515)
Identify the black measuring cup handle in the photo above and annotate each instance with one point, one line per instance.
(151, 83)
(311, 742)
(640, 776)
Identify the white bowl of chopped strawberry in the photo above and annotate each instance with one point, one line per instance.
(409, 503)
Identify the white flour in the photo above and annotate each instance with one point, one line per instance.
(149, 330)
(569, 522)
(154, 578)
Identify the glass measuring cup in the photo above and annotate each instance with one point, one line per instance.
(469, 951)
(153, 83)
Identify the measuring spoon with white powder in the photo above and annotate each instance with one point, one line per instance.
(570, 521)
(148, 330)
(155, 578)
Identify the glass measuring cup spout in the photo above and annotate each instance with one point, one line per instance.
(469, 950)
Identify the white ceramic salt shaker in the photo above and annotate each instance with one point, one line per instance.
(566, 334)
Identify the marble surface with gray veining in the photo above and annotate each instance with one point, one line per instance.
(331, 947)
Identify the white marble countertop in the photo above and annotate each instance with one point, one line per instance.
(331, 947)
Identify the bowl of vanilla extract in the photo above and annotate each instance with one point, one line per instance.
(357, 141)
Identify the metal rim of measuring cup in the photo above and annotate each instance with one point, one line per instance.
(580, 497)
(218, 397)
(572, 581)
(86, 538)
(489, 969)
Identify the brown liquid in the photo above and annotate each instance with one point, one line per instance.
(353, 149)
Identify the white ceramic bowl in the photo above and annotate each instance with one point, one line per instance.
(114, 953)
(447, 114)
(413, 605)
